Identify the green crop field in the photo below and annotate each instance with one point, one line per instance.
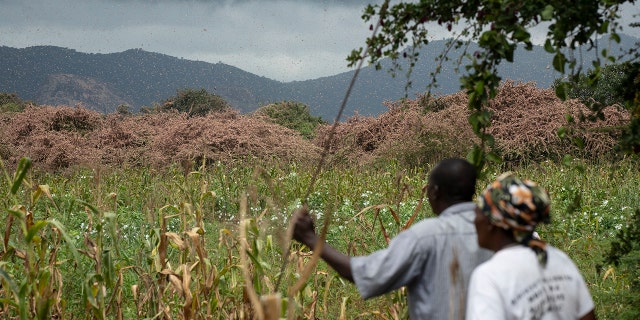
(207, 242)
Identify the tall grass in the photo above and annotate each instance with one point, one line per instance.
(177, 244)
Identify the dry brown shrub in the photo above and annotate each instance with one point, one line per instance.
(123, 141)
(524, 124)
(53, 137)
(228, 136)
(526, 120)
(61, 137)
(405, 133)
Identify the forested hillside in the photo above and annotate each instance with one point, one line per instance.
(59, 76)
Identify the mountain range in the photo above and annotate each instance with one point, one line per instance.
(61, 76)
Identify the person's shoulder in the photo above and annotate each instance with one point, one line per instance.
(558, 254)
(463, 208)
(438, 226)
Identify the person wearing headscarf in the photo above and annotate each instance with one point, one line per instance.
(526, 278)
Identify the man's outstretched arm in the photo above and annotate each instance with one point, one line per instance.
(304, 232)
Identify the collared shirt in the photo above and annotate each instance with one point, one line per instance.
(433, 259)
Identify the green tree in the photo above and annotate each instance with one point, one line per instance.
(195, 102)
(123, 109)
(615, 84)
(498, 27)
(293, 115)
(10, 102)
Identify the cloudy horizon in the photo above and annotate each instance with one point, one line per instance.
(279, 39)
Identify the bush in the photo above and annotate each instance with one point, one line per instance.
(293, 115)
(195, 102)
(406, 134)
(625, 255)
(10, 102)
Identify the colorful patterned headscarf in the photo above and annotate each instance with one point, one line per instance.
(517, 205)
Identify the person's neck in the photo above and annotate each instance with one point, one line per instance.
(444, 206)
(503, 243)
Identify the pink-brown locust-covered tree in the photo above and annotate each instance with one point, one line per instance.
(499, 27)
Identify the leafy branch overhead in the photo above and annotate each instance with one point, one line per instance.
(499, 28)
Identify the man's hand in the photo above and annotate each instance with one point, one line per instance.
(304, 230)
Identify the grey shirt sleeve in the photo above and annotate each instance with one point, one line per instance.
(388, 269)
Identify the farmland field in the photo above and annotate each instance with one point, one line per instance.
(168, 216)
(141, 242)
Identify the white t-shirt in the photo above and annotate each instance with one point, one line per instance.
(513, 285)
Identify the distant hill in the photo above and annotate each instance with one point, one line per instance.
(55, 75)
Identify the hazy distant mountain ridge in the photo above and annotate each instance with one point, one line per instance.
(55, 75)
(140, 77)
(71, 90)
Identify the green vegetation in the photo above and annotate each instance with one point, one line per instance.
(10, 102)
(136, 243)
(195, 102)
(598, 90)
(293, 115)
(615, 84)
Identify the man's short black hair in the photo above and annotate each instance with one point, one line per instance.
(455, 178)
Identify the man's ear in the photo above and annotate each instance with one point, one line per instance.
(433, 191)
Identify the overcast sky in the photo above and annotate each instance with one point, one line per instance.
(278, 39)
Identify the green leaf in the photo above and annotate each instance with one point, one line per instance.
(561, 91)
(88, 293)
(88, 205)
(37, 226)
(7, 278)
(521, 34)
(562, 132)
(16, 213)
(66, 238)
(548, 47)
(578, 142)
(547, 13)
(494, 157)
(21, 172)
(108, 268)
(558, 62)
(475, 122)
(476, 157)
(615, 37)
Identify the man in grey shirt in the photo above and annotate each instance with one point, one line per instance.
(433, 258)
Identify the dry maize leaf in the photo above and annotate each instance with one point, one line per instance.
(168, 272)
(212, 276)
(177, 284)
(7, 233)
(271, 304)
(267, 283)
(134, 292)
(42, 189)
(91, 247)
(188, 208)
(343, 308)
(186, 283)
(609, 272)
(20, 254)
(176, 240)
(194, 235)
